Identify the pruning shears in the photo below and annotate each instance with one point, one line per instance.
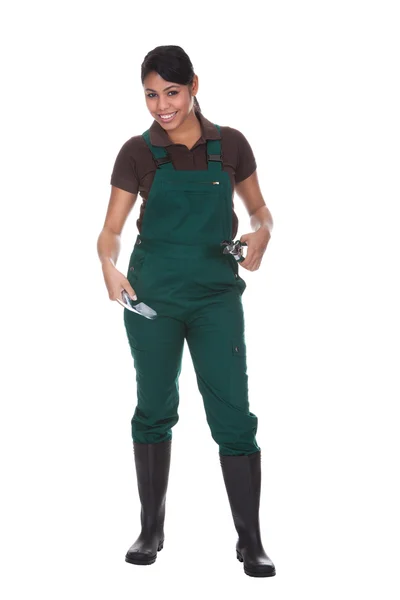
(234, 248)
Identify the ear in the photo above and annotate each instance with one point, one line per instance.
(195, 85)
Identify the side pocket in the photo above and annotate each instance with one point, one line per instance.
(136, 262)
(234, 265)
(235, 268)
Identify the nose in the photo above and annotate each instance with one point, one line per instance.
(162, 108)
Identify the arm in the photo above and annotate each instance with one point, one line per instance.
(260, 220)
(109, 241)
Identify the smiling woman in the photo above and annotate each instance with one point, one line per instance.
(187, 167)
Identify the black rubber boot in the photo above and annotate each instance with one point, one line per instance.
(242, 476)
(152, 463)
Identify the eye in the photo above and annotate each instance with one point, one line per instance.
(171, 92)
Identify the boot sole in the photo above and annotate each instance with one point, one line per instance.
(254, 573)
(142, 559)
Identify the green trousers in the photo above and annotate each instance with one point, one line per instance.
(178, 268)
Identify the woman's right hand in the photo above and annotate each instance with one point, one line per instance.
(116, 282)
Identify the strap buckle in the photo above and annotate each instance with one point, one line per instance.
(162, 160)
(214, 157)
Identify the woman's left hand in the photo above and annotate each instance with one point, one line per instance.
(257, 242)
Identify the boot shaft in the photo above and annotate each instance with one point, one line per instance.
(242, 478)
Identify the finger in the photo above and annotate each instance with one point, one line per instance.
(255, 264)
(129, 289)
(246, 263)
(250, 263)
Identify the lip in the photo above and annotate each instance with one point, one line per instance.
(168, 120)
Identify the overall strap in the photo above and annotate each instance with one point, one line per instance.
(214, 153)
(163, 159)
(160, 155)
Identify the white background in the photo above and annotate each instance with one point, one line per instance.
(314, 86)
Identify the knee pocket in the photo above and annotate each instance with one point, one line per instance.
(238, 372)
(238, 348)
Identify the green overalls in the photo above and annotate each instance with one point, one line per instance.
(178, 268)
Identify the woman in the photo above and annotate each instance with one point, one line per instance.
(186, 169)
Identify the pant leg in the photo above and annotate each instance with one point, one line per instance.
(156, 347)
(216, 341)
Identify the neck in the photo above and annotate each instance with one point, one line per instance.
(189, 129)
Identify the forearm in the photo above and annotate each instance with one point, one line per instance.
(262, 219)
(108, 247)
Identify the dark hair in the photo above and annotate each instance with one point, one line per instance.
(172, 64)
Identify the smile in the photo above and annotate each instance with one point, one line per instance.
(168, 117)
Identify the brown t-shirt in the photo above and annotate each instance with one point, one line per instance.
(134, 167)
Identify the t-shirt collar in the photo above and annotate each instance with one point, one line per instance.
(159, 137)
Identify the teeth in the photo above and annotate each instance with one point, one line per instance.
(167, 116)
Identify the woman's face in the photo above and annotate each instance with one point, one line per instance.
(166, 97)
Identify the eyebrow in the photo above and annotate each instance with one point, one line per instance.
(167, 88)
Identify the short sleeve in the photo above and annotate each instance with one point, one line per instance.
(246, 162)
(124, 173)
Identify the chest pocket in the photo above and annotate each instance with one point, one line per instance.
(191, 198)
